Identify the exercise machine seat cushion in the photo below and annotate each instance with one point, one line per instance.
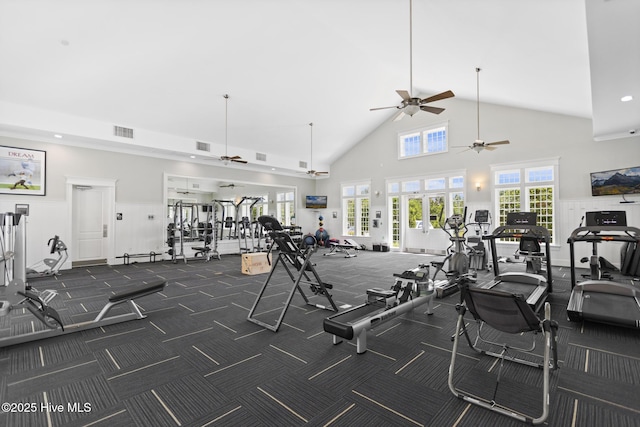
(501, 310)
(270, 223)
(139, 291)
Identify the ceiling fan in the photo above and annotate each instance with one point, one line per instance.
(479, 145)
(226, 158)
(232, 185)
(311, 171)
(411, 105)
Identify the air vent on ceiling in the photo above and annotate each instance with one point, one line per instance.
(302, 164)
(123, 132)
(195, 186)
(261, 156)
(203, 146)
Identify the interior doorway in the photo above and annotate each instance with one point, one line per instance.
(91, 221)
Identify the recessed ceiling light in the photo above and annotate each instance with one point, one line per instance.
(273, 169)
(626, 98)
(193, 157)
(57, 136)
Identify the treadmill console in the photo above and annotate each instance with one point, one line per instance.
(606, 218)
(481, 216)
(522, 218)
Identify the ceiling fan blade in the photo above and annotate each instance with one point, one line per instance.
(487, 147)
(506, 141)
(322, 173)
(429, 109)
(443, 95)
(404, 94)
(238, 160)
(399, 116)
(382, 108)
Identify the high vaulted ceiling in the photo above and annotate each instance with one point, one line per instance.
(77, 68)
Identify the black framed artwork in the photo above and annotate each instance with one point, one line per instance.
(22, 171)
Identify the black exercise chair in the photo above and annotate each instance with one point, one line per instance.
(510, 313)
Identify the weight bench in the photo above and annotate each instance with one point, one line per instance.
(509, 313)
(37, 304)
(349, 247)
(129, 295)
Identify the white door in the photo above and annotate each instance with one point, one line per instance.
(419, 225)
(90, 224)
(413, 223)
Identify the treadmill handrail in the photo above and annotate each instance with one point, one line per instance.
(506, 231)
(517, 231)
(594, 233)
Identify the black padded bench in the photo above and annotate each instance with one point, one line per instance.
(129, 295)
(139, 291)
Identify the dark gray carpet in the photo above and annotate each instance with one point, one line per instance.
(197, 361)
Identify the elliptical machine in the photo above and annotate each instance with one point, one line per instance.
(457, 260)
(50, 266)
(477, 251)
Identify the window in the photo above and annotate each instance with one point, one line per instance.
(436, 210)
(528, 188)
(436, 184)
(395, 221)
(446, 197)
(285, 205)
(411, 144)
(436, 140)
(411, 186)
(414, 216)
(356, 208)
(260, 208)
(457, 202)
(439, 197)
(393, 187)
(432, 140)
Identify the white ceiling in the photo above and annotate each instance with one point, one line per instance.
(162, 67)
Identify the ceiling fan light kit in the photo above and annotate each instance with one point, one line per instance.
(411, 105)
(226, 158)
(312, 171)
(479, 145)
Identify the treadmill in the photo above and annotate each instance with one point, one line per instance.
(604, 301)
(533, 287)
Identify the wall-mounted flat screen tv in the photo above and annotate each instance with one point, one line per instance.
(616, 182)
(316, 202)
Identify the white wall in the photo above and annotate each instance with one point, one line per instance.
(533, 135)
(139, 194)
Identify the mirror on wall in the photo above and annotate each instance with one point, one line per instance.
(247, 198)
(217, 216)
(204, 190)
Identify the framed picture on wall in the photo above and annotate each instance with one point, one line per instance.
(22, 171)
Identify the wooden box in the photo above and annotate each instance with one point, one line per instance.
(256, 263)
